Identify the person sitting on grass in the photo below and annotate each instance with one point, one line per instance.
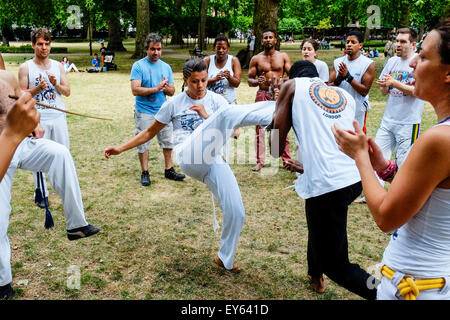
(69, 67)
(95, 62)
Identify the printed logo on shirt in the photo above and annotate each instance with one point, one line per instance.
(327, 98)
(403, 77)
(48, 96)
(218, 87)
(190, 121)
(151, 98)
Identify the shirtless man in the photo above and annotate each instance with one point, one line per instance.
(264, 68)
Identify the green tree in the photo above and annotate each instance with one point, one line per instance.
(241, 23)
(202, 24)
(177, 35)
(142, 27)
(289, 25)
(427, 13)
(48, 13)
(265, 16)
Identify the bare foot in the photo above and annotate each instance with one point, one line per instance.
(219, 262)
(318, 284)
(257, 167)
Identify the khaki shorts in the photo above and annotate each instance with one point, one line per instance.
(143, 121)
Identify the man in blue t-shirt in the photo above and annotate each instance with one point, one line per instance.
(151, 80)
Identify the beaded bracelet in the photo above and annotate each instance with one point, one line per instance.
(389, 172)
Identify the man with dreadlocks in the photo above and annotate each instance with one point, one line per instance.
(202, 122)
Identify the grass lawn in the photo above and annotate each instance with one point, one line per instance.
(158, 242)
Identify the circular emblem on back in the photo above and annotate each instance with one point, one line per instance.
(328, 98)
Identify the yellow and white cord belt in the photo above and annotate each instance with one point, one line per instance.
(410, 288)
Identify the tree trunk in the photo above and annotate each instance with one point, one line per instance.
(177, 35)
(114, 34)
(7, 34)
(265, 16)
(89, 35)
(5, 40)
(202, 25)
(420, 34)
(367, 34)
(142, 27)
(404, 19)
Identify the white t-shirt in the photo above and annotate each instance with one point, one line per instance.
(185, 121)
(316, 107)
(357, 68)
(322, 69)
(400, 107)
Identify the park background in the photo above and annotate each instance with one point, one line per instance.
(158, 242)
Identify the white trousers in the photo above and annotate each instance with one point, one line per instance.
(200, 157)
(360, 116)
(55, 160)
(72, 67)
(55, 130)
(400, 137)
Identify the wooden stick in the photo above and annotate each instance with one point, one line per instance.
(62, 110)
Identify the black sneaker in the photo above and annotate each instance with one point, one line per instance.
(7, 292)
(145, 178)
(82, 232)
(173, 175)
